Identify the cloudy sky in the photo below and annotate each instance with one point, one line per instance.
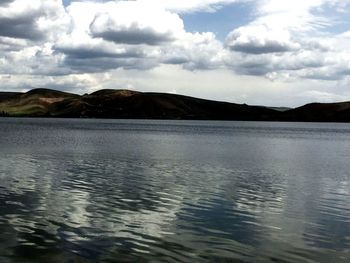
(271, 52)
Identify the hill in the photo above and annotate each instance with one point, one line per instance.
(320, 112)
(7, 95)
(127, 104)
(33, 103)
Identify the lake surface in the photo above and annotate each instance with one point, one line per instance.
(170, 191)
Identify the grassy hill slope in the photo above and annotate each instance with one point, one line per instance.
(128, 104)
(140, 105)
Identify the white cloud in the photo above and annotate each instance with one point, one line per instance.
(259, 39)
(133, 35)
(195, 51)
(34, 20)
(98, 44)
(190, 5)
(178, 6)
(287, 42)
(297, 15)
(136, 23)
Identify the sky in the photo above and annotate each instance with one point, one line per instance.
(261, 52)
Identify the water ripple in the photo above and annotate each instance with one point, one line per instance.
(75, 191)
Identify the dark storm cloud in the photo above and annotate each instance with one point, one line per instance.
(256, 40)
(102, 64)
(91, 53)
(23, 27)
(94, 59)
(133, 36)
(175, 60)
(254, 69)
(99, 59)
(257, 48)
(5, 2)
(262, 64)
(7, 44)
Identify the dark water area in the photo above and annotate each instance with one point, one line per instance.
(173, 191)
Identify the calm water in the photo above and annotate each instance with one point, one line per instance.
(110, 190)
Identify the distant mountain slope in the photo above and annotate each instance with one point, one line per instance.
(33, 103)
(279, 108)
(320, 112)
(139, 105)
(128, 104)
(7, 95)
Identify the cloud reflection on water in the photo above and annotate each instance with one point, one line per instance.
(161, 199)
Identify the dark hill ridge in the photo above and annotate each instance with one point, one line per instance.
(113, 92)
(7, 95)
(35, 102)
(129, 104)
(320, 112)
(138, 105)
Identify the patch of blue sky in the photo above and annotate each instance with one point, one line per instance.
(221, 22)
(339, 20)
(66, 2)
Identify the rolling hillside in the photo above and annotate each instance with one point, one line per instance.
(320, 112)
(127, 104)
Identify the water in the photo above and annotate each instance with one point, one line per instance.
(170, 191)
